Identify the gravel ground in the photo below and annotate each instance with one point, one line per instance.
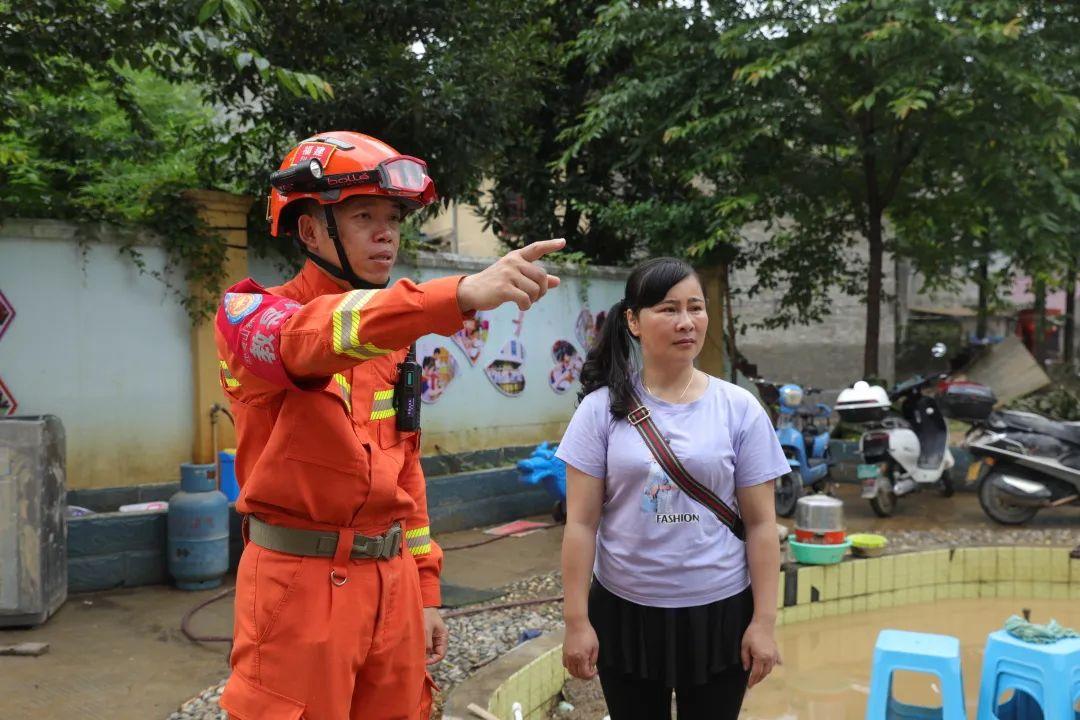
(204, 706)
(478, 639)
(902, 540)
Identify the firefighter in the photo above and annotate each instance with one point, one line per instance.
(337, 592)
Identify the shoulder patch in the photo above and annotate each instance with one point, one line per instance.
(239, 305)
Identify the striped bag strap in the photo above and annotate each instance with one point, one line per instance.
(641, 419)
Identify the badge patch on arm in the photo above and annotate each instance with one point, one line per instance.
(251, 322)
(239, 305)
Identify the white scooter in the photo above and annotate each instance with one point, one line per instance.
(901, 452)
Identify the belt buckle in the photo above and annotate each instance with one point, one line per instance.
(638, 415)
(368, 547)
(393, 541)
(382, 547)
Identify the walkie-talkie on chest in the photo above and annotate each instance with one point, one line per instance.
(407, 393)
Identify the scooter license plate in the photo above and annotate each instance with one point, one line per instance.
(973, 471)
(869, 488)
(867, 471)
(869, 475)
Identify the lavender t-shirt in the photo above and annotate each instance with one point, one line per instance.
(655, 545)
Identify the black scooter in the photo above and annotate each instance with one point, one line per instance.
(1024, 463)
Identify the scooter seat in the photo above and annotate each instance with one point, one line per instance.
(1030, 422)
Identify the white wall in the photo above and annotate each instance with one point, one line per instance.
(472, 414)
(108, 350)
(103, 347)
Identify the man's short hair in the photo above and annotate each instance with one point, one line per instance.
(289, 223)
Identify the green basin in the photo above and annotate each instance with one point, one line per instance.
(814, 554)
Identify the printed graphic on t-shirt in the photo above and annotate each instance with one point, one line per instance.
(659, 496)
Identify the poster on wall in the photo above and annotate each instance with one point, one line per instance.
(588, 327)
(438, 368)
(472, 336)
(8, 404)
(507, 371)
(7, 314)
(567, 369)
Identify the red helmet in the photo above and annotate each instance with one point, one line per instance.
(329, 167)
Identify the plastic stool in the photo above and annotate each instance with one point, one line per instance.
(920, 652)
(1050, 674)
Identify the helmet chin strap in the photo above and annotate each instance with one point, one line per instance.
(344, 271)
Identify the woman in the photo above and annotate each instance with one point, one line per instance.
(660, 594)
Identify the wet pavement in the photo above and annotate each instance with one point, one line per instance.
(113, 656)
(120, 655)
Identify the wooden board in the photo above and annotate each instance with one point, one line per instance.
(1009, 369)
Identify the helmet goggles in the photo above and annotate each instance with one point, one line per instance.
(401, 174)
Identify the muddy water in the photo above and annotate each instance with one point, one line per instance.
(826, 671)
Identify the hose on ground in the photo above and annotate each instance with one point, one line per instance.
(185, 622)
(461, 612)
(487, 541)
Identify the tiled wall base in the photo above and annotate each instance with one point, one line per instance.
(532, 674)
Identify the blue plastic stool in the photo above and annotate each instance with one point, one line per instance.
(1050, 674)
(919, 652)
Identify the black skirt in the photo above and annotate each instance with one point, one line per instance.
(676, 646)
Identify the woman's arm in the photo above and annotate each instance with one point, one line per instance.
(584, 500)
(758, 510)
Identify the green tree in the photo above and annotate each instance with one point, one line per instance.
(434, 80)
(107, 113)
(531, 195)
(832, 119)
(439, 81)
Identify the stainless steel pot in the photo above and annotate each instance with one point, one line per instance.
(819, 513)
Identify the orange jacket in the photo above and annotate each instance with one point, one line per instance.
(310, 372)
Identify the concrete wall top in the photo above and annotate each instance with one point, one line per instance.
(60, 230)
(470, 263)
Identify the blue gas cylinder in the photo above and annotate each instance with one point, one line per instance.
(198, 530)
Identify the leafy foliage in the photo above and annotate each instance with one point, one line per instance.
(438, 81)
(104, 116)
(811, 139)
(81, 155)
(821, 122)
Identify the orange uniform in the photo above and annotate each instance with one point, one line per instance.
(310, 372)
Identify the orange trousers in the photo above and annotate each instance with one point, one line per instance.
(306, 647)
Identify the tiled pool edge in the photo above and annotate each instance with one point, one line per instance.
(532, 674)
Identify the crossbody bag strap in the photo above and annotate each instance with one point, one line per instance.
(641, 419)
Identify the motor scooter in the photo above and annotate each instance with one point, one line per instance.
(1024, 463)
(804, 436)
(902, 451)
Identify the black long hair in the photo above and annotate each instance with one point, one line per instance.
(608, 363)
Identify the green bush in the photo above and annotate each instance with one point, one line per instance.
(102, 150)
